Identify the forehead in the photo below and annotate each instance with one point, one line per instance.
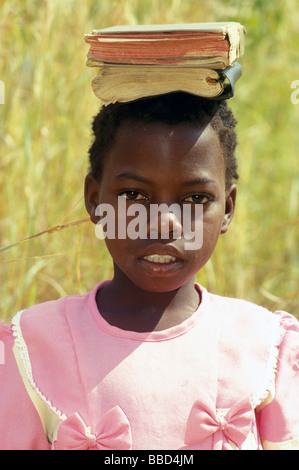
(171, 149)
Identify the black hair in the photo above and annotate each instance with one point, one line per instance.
(171, 108)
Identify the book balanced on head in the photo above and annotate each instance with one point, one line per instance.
(139, 61)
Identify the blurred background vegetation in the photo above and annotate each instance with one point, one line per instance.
(45, 135)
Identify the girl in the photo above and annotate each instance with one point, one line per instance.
(149, 359)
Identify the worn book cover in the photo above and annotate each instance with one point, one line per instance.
(216, 45)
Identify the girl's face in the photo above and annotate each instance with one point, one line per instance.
(161, 164)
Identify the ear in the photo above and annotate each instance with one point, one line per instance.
(230, 204)
(91, 196)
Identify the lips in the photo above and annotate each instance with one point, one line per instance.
(161, 259)
(155, 258)
(162, 253)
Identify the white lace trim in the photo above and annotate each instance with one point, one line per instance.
(268, 384)
(24, 356)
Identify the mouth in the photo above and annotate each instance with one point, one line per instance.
(159, 262)
(161, 259)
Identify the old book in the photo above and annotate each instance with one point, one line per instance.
(127, 83)
(213, 45)
(139, 61)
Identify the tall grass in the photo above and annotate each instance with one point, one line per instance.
(45, 135)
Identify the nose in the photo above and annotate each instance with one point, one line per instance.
(170, 223)
(165, 221)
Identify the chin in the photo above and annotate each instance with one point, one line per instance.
(157, 285)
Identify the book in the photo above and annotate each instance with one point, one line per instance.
(146, 60)
(217, 45)
(125, 83)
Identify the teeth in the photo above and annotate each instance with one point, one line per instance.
(160, 258)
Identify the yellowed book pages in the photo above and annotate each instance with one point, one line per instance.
(122, 84)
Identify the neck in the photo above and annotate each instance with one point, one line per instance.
(123, 304)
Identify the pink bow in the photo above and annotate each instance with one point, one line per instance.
(234, 426)
(113, 432)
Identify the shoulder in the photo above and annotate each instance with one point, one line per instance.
(45, 331)
(236, 306)
(45, 344)
(242, 314)
(47, 313)
(238, 314)
(52, 318)
(252, 344)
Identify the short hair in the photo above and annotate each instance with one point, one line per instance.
(172, 108)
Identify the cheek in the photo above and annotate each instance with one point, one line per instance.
(118, 249)
(210, 229)
(123, 254)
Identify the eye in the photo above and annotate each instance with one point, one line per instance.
(199, 199)
(133, 196)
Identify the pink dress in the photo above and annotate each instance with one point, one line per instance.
(226, 378)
